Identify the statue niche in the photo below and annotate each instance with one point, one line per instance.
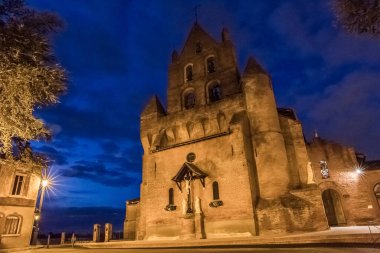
(187, 175)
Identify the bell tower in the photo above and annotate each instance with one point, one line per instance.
(204, 72)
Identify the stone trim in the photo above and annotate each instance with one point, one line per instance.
(193, 141)
(17, 201)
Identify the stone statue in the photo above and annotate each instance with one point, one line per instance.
(187, 186)
(310, 174)
(187, 181)
(184, 206)
(197, 205)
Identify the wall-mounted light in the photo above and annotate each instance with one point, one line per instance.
(359, 171)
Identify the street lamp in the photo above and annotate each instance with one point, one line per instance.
(45, 182)
(37, 215)
(44, 186)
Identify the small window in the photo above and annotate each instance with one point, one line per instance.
(189, 100)
(215, 93)
(17, 185)
(211, 65)
(12, 225)
(198, 47)
(189, 73)
(171, 196)
(215, 190)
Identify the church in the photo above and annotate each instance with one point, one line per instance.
(222, 160)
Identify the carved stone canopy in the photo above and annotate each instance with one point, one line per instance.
(189, 171)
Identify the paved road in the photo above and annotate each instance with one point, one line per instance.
(229, 250)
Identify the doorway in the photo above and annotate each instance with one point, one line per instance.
(333, 208)
(376, 191)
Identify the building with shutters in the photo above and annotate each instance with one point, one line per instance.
(20, 182)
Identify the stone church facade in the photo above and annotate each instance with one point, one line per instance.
(222, 159)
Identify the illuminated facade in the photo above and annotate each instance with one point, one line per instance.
(222, 160)
(20, 182)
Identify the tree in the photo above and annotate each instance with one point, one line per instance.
(358, 16)
(30, 76)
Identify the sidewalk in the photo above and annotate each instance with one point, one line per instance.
(21, 249)
(368, 236)
(364, 235)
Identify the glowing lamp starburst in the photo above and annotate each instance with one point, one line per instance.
(359, 171)
(45, 182)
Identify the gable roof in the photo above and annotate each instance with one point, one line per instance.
(253, 67)
(189, 169)
(154, 106)
(197, 33)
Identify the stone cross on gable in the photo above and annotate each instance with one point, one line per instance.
(196, 7)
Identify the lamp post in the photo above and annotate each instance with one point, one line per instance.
(44, 185)
(37, 212)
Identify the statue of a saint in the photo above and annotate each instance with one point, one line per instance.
(310, 174)
(197, 205)
(184, 206)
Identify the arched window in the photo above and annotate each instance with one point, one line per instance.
(12, 225)
(215, 93)
(215, 190)
(211, 65)
(189, 100)
(171, 196)
(189, 73)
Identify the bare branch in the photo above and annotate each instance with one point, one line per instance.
(358, 16)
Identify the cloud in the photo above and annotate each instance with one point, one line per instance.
(314, 35)
(89, 123)
(128, 163)
(348, 111)
(80, 219)
(75, 192)
(97, 172)
(110, 147)
(53, 154)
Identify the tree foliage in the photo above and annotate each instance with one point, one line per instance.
(358, 16)
(30, 76)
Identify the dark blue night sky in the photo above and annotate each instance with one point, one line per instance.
(117, 53)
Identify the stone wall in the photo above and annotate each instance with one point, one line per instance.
(297, 211)
(131, 220)
(352, 190)
(296, 151)
(226, 167)
(221, 154)
(370, 178)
